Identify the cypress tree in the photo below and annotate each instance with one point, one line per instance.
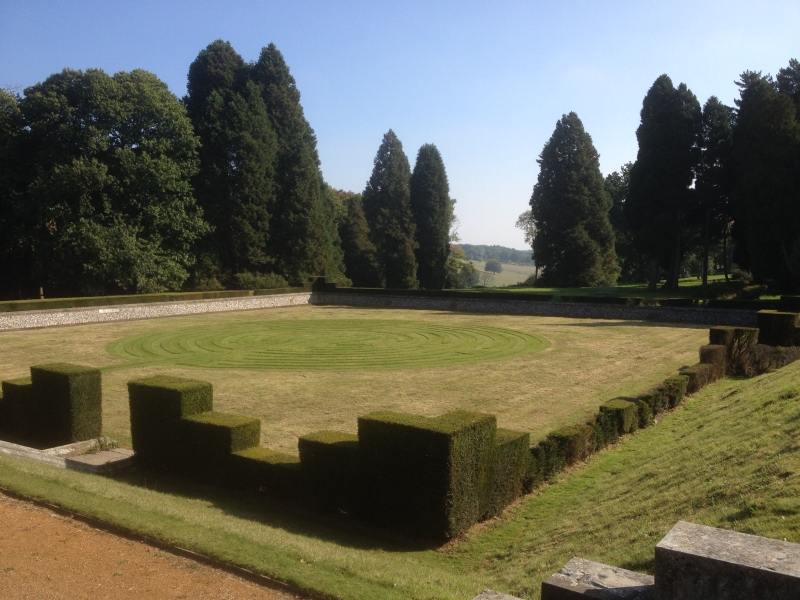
(660, 195)
(387, 199)
(304, 239)
(237, 155)
(430, 196)
(361, 265)
(574, 242)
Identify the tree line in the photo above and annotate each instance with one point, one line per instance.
(111, 184)
(705, 179)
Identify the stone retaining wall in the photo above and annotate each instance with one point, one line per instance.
(126, 312)
(703, 316)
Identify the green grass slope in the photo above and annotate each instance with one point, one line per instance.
(729, 457)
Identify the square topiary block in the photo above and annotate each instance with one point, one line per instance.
(674, 389)
(274, 473)
(721, 336)
(206, 440)
(428, 477)
(777, 328)
(157, 405)
(625, 414)
(71, 402)
(331, 462)
(536, 464)
(566, 446)
(714, 355)
(511, 470)
(655, 399)
(701, 375)
(20, 410)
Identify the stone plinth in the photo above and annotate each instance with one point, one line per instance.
(581, 579)
(695, 562)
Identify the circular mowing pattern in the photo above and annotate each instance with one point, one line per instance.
(335, 345)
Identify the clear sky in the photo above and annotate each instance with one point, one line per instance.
(484, 81)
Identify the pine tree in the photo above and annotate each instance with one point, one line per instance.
(660, 194)
(574, 242)
(237, 154)
(387, 207)
(361, 264)
(304, 238)
(430, 196)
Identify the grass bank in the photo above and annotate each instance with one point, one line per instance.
(729, 457)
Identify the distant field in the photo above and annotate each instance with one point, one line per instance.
(511, 275)
(304, 369)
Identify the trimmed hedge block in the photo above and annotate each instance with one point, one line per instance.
(777, 328)
(566, 446)
(674, 390)
(655, 399)
(721, 336)
(19, 409)
(266, 470)
(536, 464)
(511, 470)
(701, 375)
(207, 439)
(157, 405)
(428, 477)
(714, 355)
(331, 461)
(70, 399)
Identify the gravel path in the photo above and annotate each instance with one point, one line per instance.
(44, 555)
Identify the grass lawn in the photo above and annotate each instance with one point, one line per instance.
(511, 275)
(729, 457)
(304, 369)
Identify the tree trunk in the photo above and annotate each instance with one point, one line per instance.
(652, 284)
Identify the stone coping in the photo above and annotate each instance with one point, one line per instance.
(80, 456)
(581, 578)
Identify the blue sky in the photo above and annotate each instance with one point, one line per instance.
(485, 82)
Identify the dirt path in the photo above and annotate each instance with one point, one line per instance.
(44, 555)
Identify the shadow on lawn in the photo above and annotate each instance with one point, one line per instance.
(266, 510)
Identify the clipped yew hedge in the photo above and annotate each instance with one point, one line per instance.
(777, 328)
(332, 461)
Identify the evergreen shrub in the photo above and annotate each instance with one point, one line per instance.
(157, 405)
(430, 477)
(655, 399)
(777, 328)
(207, 439)
(265, 470)
(700, 375)
(511, 470)
(677, 302)
(331, 462)
(19, 408)
(624, 412)
(714, 355)
(566, 446)
(70, 400)
(674, 390)
(536, 467)
(721, 336)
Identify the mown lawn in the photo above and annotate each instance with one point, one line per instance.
(728, 457)
(534, 373)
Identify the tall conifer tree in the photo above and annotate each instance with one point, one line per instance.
(304, 239)
(387, 199)
(430, 197)
(660, 194)
(574, 241)
(360, 258)
(237, 156)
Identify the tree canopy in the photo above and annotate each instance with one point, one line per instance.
(574, 243)
(387, 199)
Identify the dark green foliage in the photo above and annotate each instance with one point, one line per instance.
(536, 467)
(265, 470)
(429, 200)
(304, 239)
(105, 203)
(157, 405)
(360, 255)
(234, 185)
(674, 389)
(655, 399)
(645, 412)
(632, 263)
(677, 302)
(428, 477)
(714, 355)
(721, 336)
(206, 440)
(387, 206)
(661, 177)
(566, 446)
(331, 463)
(511, 471)
(767, 155)
(493, 266)
(574, 243)
(700, 375)
(777, 328)
(624, 413)
(70, 402)
(19, 410)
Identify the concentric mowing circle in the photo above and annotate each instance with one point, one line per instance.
(329, 345)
